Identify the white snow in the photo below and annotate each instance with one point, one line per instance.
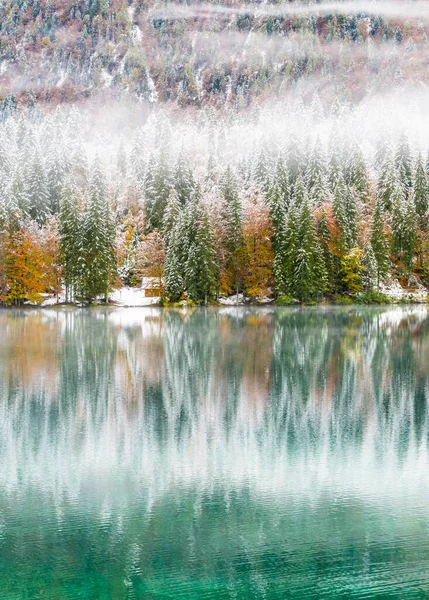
(232, 300)
(128, 296)
(393, 289)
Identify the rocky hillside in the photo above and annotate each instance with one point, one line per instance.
(62, 51)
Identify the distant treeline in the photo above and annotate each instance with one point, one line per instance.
(302, 221)
(63, 51)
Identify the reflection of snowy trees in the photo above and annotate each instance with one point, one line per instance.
(211, 396)
(234, 445)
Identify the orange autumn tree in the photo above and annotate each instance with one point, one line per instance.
(257, 235)
(29, 265)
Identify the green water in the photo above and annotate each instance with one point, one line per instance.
(223, 453)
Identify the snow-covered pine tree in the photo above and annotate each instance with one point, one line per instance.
(421, 193)
(201, 267)
(346, 214)
(369, 262)
(358, 179)
(70, 234)
(97, 240)
(171, 214)
(404, 226)
(55, 174)
(158, 184)
(295, 160)
(387, 177)
(38, 191)
(379, 243)
(325, 243)
(233, 219)
(299, 192)
(316, 177)
(174, 285)
(263, 168)
(285, 254)
(404, 161)
(184, 181)
(278, 212)
(309, 272)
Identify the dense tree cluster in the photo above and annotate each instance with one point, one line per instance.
(302, 221)
(55, 51)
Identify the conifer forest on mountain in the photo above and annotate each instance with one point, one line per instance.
(276, 151)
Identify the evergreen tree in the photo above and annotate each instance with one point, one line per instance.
(285, 253)
(346, 213)
(316, 177)
(201, 267)
(369, 263)
(379, 243)
(232, 212)
(309, 272)
(325, 242)
(404, 226)
(98, 257)
(421, 193)
(174, 285)
(171, 214)
(38, 190)
(278, 212)
(386, 183)
(358, 175)
(403, 161)
(299, 194)
(183, 179)
(158, 184)
(70, 232)
(55, 177)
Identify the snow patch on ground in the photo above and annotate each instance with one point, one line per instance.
(393, 290)
(233, 300)
(127, 296)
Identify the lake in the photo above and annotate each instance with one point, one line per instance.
(228, 453)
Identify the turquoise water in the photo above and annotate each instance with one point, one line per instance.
(222, 453)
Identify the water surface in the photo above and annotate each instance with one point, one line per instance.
(222, 453)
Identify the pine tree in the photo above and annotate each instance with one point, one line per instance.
(285, 254)
(295, 160)
(404, 226)
(316, 177)
(174, 285)
(403, 161)
(201, 267)
(299, 193)
(346, 215)
(358, 175)
(70, 232)
(421, 193)
(38, 192)
(325, 243)
(171, 214)
(98, 231)
(184, 182)
(379, 243)
(158, 184)
(55, 179)
(309, 272)
(234, 243)
(386, 183)
(369, 263)
(19, 194)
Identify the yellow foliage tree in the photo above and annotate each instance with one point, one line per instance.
(257, 233)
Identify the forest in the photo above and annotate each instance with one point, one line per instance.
(301, 222)
(278, 152)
